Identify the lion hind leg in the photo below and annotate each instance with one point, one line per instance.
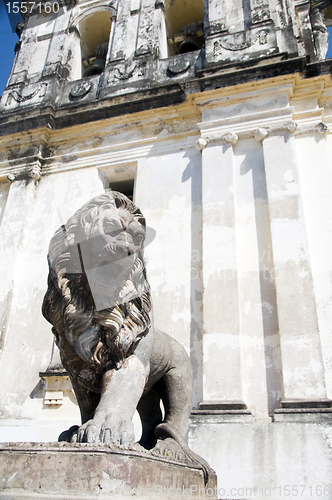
(151, 416)
(176, 390)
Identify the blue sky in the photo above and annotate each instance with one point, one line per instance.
(8, 40)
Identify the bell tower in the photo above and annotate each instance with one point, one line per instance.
(125, 45)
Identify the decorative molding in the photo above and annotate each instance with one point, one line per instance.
(129, 71)
(178, 66)
(216, 27)
(222, 405)
(291, 127)
(320, 128)
(261, 133)
(311, 410)
(306, 403)
(80, 89)
(32, 170)
(90, 9)
(19, 97)
(230, 137)
(303, 415)
(239, 41)
(260, 15)
(198, 417)
(201, 143)
(257, 129)
(110, 156)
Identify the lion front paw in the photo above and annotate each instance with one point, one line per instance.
(112, 431)
(88, 432)
(168, 448)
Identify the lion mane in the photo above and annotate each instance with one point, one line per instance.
(101, 338)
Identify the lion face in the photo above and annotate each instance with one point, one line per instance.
(113, 237)
(103, 240)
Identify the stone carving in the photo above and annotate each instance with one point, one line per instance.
(260, 15)
(320, 32)
(31, 172)
(135, 69)
(281, 11)
(201, 143)
(178, 66)
(19, 97)
(80, 89)
(261, 133)
(260, 11)
(216, 27)
(231, 138)
(98, 301)
(322, 128)
(239, 41)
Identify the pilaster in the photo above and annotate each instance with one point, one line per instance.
(302, 367)
(222, 364)
(12, 236)
(315, 176)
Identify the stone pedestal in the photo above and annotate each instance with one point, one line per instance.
(48, 471)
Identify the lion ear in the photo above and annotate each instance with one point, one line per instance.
(141, 220)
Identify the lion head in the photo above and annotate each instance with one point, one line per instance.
(98, 297)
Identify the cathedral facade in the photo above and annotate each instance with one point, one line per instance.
(216, 117)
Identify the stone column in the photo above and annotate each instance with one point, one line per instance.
(302, 367)
(302, 8)
(316, 179)
(58, 48)
(12, 234)
(222, 372)
(145, 33)
(216, 12)
(257, 307)
(235, 15)
(120, 34)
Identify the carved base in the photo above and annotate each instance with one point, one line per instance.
(298, 410)
(221, 411)
(49, 471)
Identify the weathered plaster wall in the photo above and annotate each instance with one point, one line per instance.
(234, 181)
(264, 461)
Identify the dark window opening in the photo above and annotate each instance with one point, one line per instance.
(124, 187)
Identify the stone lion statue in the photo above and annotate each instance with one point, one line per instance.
(98, 301)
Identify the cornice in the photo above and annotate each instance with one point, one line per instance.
(101, 158)
(261, 133)
(199, 89)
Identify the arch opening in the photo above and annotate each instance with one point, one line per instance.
(95, 33)
(184, 25)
